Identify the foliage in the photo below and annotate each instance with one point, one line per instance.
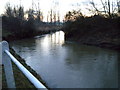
(14, 22)
(73, 15)
(76, 23)
(94, 30)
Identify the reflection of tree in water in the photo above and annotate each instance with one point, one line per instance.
(87, 55)
(57, 38)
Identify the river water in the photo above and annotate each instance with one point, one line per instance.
(64, 64)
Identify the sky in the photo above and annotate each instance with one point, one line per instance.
(62, 6)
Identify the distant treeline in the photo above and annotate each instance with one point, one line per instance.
(15, 22)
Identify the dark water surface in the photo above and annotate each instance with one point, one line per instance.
(69, 65)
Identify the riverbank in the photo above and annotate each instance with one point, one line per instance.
(14, 28)
(11, 37)
(20, 79)
(97, 31)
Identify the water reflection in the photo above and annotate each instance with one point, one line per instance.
(58, 38)
(49, 39)
(72, 65)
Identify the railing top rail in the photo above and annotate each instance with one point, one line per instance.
(32, 79)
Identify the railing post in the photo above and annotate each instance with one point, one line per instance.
(7, 66)
(0, 66)
(0, 53)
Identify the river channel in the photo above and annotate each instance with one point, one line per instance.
(64, 64)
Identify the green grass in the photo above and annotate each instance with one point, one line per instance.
(20, 80)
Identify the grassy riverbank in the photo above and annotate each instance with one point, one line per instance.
(94, 30)
(20, 79)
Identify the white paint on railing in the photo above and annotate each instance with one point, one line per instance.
(7, 66)
(0, 53)
(9, 56)
(1, 66)
(36, 83)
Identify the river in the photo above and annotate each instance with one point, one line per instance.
(64, 64)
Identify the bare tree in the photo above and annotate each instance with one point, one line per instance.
(58, 17)
(109, 7)
(21, 13)
(30, 14)
(94, 6)
(118, 6)
(15, 12)
(9, 11)
(51, 16)
(54, 17)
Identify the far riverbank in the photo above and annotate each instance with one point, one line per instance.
(96, 31)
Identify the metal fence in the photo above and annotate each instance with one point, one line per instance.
(7, 57)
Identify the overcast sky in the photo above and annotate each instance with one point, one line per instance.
(63, 6)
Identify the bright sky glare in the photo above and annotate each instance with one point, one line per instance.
(62, 6)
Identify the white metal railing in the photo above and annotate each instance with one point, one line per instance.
(6, 61)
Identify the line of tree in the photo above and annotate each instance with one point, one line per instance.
(53, 17)
(14, 21)
(108, 8)
(94, 29)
